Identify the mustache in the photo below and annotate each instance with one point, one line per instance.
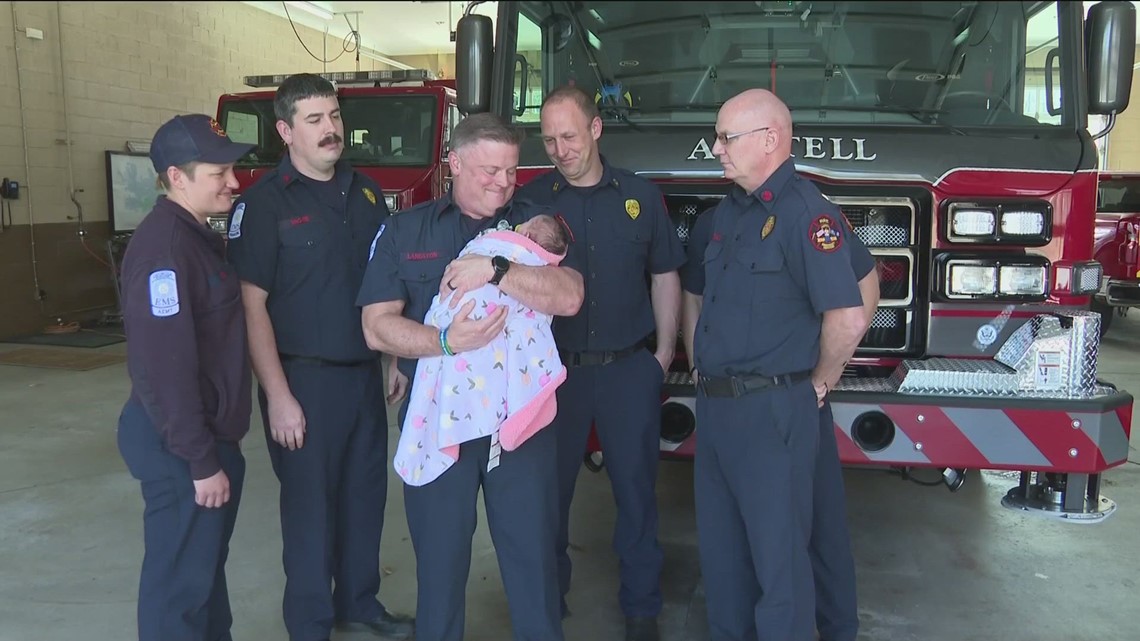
(331, 139)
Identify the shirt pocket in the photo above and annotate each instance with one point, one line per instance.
(421, 278)
(766, 272)
(303, 249)
(632, 239)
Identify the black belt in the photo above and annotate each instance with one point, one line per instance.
(737, 386)
(578, 359)
(325, 362)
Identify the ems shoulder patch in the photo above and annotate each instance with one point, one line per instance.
(824, 234)
(372, 249)
(235, 222)
(163, 293)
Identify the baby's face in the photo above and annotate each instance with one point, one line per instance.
(536, 229)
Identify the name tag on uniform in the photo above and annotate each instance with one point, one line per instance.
(163, 293)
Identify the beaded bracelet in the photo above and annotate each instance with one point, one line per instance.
(443, 344)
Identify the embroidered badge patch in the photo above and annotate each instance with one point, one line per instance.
(216, 127)
(824, 234)
(163, 293)
(372, 249)
(370, 195)
(235, 222)
(633, 208)
(769, 225)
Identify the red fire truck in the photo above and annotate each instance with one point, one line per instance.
(396, 126)
(1117, 244)
(953, 137)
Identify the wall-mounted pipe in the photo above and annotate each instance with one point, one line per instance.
(38, 293)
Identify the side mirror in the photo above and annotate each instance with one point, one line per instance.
(474, 46)
(1111, 51)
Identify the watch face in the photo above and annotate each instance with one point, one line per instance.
(500, 263)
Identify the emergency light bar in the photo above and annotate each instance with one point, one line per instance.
(348, 77)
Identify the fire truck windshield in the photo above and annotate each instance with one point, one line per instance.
(379, 131)
(953, 64)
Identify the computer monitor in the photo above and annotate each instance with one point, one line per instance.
(131, 189)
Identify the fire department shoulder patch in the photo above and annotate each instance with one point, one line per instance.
(633, 208)
(368, 193)
(824, 234)
(769, 225)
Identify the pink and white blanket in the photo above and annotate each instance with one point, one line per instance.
(504, 389)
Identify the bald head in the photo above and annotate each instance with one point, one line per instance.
(754, 137)
(762, 107)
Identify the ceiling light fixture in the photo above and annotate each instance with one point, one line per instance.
(316, 10)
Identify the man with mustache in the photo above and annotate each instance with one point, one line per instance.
(414, 260)
(300, 240)
(189, 407)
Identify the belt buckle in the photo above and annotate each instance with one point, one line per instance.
(737, 386)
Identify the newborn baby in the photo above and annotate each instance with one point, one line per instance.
(505, 389)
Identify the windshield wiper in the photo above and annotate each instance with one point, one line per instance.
(923, 116)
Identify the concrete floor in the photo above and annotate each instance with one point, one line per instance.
(932, 565)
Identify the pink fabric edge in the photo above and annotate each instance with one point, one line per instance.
(531, 418)
(517, 238)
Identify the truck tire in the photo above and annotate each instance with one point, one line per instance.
(1107, 313)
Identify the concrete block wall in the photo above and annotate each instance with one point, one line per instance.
(116, 70)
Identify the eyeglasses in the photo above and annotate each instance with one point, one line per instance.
(724, 139)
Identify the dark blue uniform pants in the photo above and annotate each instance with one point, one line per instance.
(182, 590)
(753, 488)
(623, 400)
(333, 491)
(832, 562)
(520, 496)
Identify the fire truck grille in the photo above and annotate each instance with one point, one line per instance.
(887, 226)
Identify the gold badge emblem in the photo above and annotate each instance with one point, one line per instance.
(769, 225)
(369, 195)
(633, 208)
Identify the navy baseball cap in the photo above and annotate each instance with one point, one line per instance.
(193, 138)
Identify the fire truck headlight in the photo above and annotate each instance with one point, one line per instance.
(972, 223)
(1022, 223)
(1022, 280)
(1027, 223)
(393, 202)
(968, 281)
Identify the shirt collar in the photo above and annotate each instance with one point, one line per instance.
(288, 174)
(609, 178)
(768, 193)
(166, 205)
(445, 204)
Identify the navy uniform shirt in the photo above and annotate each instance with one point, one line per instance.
(306, 243)
(413, 249)
(186, 336)
(768, 265)
(622, 232)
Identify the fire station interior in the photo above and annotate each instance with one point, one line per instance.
(944, 549)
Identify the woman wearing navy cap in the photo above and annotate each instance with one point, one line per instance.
(190, 402)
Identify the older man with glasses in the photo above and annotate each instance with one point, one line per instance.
(772, 311)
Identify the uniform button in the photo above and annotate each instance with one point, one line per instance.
(309, 243)
(714, 299)
(593, 333)
(591, 248)
(706, 328)
(589, 220)
(593, 303)
(593, 275)
(738, 237)
(724, 268)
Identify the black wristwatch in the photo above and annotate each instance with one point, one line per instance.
(501, 265)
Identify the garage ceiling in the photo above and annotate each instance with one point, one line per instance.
(388, 28)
